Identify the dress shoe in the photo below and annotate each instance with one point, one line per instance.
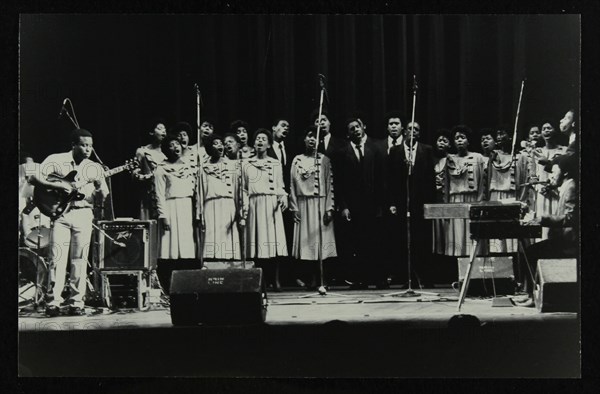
(76, 311)
(527, 304)
(52, 311)
(521, 298)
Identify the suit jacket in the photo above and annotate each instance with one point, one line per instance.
(563, 225)
(359, 186)
(335, 146)
(382, 144)
(288, 164)
(422, 182)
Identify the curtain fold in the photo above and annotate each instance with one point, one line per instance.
(121, 70)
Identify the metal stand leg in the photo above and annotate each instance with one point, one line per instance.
(522, 247)
(465, 285)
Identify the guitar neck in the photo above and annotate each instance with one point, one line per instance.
(115, 171)
(106, 174)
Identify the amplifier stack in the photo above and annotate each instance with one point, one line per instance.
(125, 261)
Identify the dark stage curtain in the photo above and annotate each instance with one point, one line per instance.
(121, 70)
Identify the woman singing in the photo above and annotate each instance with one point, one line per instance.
(240, 128)
(175, 183)
(311, 185)
(465, 184)
(504, 175)
(263, 184)
(220, 182)
(546, 198)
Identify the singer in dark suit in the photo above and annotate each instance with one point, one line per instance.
(359, 194)
(280, 151)
(421, 191)
(394, 137)
(390, 223)
(329, 144)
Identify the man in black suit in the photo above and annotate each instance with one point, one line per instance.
(359, 193)
(279, 149)
(421, 190)
(281, 152)
(390, 251)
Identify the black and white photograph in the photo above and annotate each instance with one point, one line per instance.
(299, 195)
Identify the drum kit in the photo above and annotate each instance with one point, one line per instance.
(33, 254)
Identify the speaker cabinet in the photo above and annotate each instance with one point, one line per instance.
(498, 268)
(556, 287)
(134, 247)
(218, 296)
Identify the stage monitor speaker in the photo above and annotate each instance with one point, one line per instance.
(500, 268)
(134, 248)
(229, 296)
(556, 287)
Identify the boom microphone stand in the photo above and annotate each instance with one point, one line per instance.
(199, 188)
(321, 291)
(410, 292)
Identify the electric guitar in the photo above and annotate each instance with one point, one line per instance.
(54, 202)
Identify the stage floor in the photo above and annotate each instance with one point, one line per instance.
(293, 307)
(343, 334)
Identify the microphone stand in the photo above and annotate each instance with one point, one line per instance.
(200, 186)
(36, 295)
(410, 292)
(321, 291)
(513, 162)
(242, 219)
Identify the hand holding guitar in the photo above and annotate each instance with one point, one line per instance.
(53, 195)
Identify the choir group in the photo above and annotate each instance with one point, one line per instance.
(240, 195)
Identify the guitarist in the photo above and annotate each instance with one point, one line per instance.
(71, 232)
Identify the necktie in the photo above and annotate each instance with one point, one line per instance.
(394, 141)
(282, 153)
(360, 152)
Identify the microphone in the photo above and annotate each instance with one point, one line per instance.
(322, 85)
(63, 109)
(415, 86)
(321, 80)
(121, 244)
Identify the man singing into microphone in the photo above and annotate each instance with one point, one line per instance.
(71, 234)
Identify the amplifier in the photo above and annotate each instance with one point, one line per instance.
(499, 268)
(227, 296)
(134, 248)
(556, 287)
